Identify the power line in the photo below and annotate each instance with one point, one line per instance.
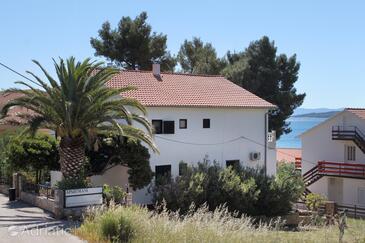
(16, 72)
(227, 142)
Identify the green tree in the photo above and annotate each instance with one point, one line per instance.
(133, 45)
(199, 58)
(116, 150)
(78, 105)
(33, 154)
(270, 76)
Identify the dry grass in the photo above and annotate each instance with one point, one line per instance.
(203, 226)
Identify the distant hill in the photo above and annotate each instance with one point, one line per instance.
(318, 114)
(303, 111)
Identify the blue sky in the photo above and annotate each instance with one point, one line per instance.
(327, 36)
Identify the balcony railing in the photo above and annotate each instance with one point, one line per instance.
(351, 133)
(341, 169)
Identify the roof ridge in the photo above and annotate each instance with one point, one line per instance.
(171, 73)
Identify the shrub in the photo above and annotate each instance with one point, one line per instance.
(314, 201)
(66, 183)
(115, 193)
(242, 190)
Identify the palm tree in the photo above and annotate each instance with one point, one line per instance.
(77, 106)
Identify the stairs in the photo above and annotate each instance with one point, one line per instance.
(350, 133)
(310, 177)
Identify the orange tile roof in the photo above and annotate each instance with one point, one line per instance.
(288, 154)
(186, 90)
(360, 112)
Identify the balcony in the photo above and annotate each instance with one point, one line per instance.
(341, 169)
(349, 133)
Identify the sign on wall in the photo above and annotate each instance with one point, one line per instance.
(83, 197)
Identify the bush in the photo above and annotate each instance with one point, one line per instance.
(314, 201)
(115, 193)
(66, 184)
(242, 190)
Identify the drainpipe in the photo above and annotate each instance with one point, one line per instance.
(265, 153)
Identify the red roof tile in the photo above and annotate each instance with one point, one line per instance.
(360, 112)
(186, 90)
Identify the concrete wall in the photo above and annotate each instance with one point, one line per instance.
(4, 189)
(115, 176)
(317, 145)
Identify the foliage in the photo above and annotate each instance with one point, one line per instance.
(116, 150)
(115, 193)
(133, 45)
(314, 201)
(244, 190)
(270, 76)
(78, 105)
(33, 154)
(199, 58)
(6, 169)
(72, 183)
(202, 225)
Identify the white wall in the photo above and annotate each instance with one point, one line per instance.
(317, 145)
(226, 124)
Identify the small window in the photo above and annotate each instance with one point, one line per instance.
(168, 127)
(233, 163)
(183, 123)
(183, 167)
(157, 126)
(350, 153)
(206, 123)
(162, 173)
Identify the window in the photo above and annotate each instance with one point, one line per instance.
(233, 163)
(350, 153)
(168, 127)
(161, 173)
(206, 123)
(183, 167)
(183, 123)
(157, 126)
(163, 127)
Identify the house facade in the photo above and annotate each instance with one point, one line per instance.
(198, 118)
(333, 157)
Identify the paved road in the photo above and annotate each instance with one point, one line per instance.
(22, 223)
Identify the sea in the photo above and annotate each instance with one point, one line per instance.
(298, 126)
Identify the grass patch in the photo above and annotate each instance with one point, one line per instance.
(135, 224)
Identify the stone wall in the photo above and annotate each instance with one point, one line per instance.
(4, 189)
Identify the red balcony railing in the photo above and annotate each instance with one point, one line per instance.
(341, 169)
(298, 163)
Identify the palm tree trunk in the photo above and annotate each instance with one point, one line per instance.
(72, 157)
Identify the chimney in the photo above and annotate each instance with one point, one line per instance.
(156, 69)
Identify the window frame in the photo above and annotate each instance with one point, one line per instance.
(183, 167)
(186, 123)
(164, 127)
(350, 152)
(206, 123)
(160, 126)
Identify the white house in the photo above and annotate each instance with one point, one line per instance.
(333, 157)
(197, 117)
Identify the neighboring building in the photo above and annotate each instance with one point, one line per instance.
(333, 157)
(289, 155)
(200, 116)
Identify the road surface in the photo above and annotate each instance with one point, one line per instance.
(23, 223)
